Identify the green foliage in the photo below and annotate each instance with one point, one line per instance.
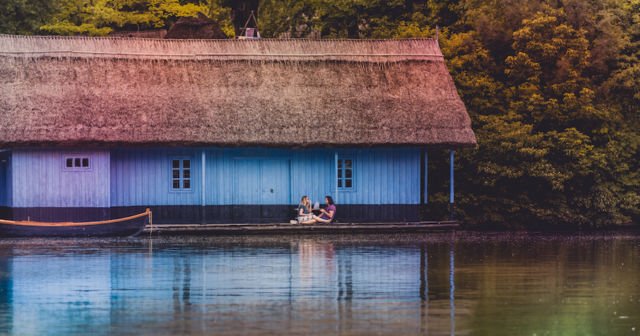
(344, 18)
(221, 14)
(552, 150)
(24, 16)
(100, 17)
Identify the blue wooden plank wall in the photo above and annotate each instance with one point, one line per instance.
(261, 181)
(141, 177)
(313, 174)
(39, 179)
(310, 173)
(383, 176)
(5, 179)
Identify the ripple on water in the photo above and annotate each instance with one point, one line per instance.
(441, 283)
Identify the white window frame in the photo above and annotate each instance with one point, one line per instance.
(341, 163)
(75, 168)
(181, 178)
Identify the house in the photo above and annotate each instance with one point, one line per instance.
(220, 131)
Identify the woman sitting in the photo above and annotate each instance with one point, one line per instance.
(326, 215)
(304, 210)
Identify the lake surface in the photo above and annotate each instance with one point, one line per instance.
(438, 284)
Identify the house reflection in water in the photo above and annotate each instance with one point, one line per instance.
(370, 279)
(405, 285)
(300, 286)
(316, 260)
(6, 290)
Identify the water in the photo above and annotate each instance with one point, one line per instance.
(436, 284)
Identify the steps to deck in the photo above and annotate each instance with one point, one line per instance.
(286, 228)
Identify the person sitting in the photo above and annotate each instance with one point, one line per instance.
(304, 210)
(327, 214)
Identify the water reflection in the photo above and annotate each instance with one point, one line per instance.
(6, 289)
(452, 289)
(436, 284)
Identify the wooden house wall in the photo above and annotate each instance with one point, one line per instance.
(240, 184)
(40, 180)
(231, 173)
(383, 176)
(5, 179)
(142, 177)
(253, 176)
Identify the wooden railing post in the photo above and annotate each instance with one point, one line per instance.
(451, 184)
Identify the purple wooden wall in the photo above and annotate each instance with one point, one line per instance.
(41, 180)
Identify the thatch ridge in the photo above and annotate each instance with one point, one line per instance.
(271, 100)
(262, 49)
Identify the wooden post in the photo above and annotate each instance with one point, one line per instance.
(335, 171)
(426, 176)
(150, 214)
(203, 187)
(424, 184)
(203, 184)
(451, 183)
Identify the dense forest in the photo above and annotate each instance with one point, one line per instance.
(552, 87)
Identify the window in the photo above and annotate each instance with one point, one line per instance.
(180, 174)
(77, 163)
(345, 174)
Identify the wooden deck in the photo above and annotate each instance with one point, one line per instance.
(286, 228)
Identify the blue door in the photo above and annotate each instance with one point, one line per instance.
(261, 190)
(246, 182)
(274, 182)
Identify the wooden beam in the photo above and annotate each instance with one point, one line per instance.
(286, 228)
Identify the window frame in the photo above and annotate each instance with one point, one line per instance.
(181, 177)
(341, 166)
(74, 168)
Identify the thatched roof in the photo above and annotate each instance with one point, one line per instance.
(77, 90)
(154, 33)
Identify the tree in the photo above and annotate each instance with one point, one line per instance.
(549, 143)
(100, 17)
(24, 16)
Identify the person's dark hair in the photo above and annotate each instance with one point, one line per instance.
(329, 200)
